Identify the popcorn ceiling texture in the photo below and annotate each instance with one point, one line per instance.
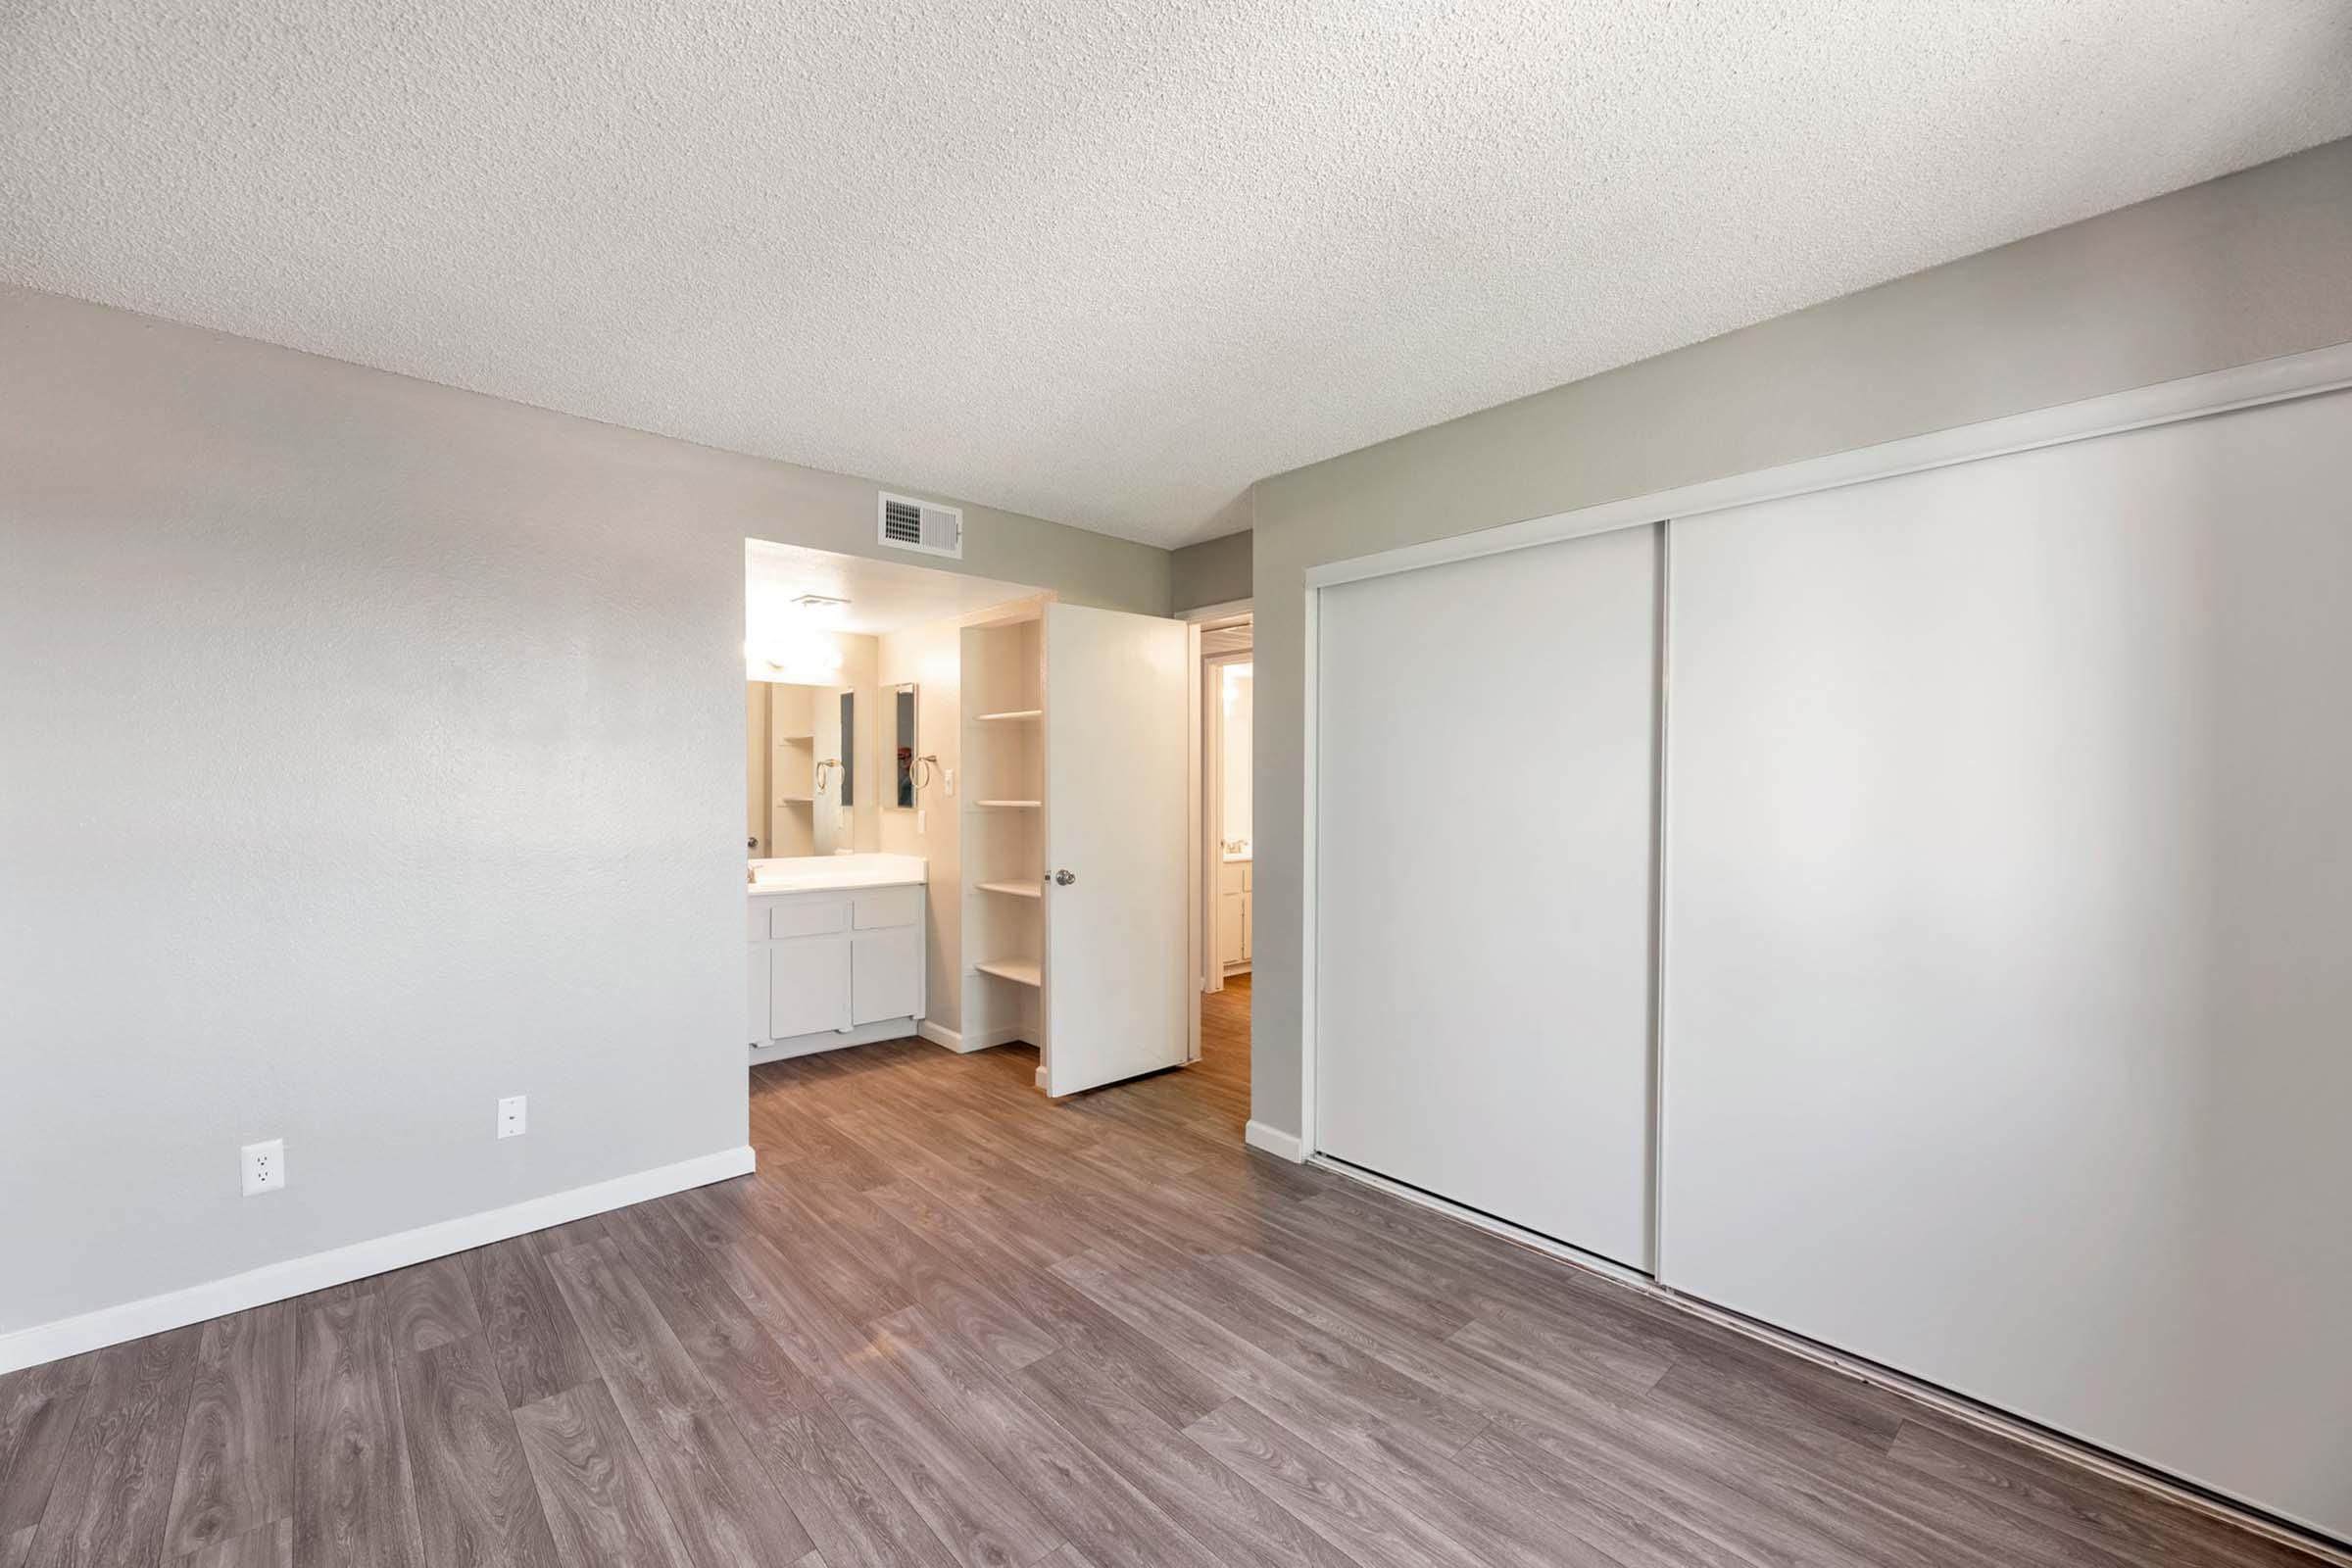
(1104, 262)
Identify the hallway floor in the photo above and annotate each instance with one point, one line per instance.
(949, 1323)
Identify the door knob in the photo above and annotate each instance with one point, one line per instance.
(1063, 879)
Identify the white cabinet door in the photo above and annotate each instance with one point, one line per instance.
(886, 975)
(756, 1019)
(1230, 946)
(808, 987)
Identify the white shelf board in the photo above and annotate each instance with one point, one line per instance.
(1007, 806)
(1020, 890)
(1021, 971)
(1012, 716)
(795, 799)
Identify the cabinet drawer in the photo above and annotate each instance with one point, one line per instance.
(815, 917)
(887, 906)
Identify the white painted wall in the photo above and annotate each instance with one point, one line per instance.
(1237, 700)
(353, 875)
(2007, 885)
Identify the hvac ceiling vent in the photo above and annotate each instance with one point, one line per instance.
(923, 526)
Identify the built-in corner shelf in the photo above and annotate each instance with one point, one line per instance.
(1012, 716)
(1020, 972)
(795, 799)
(798, 740)
(1018, 890)
(1007, 806)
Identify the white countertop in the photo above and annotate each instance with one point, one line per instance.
(828, 873)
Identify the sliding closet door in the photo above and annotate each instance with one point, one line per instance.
(1485, 748)
(2008, 1024)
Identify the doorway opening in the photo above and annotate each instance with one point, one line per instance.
(968, 819)
(1227, 871)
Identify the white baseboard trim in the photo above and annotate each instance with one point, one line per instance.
(1274, 1140)
(966, 1044)
(832, 1039)
(275, 1282)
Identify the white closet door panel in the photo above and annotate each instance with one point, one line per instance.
(2008, 1028)
(1486, 751)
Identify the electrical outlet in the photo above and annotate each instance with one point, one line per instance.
(918, 819)
(264, 1167)
(512, 1121)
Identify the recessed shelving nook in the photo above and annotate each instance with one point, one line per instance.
(791, 769)
(1005, 829)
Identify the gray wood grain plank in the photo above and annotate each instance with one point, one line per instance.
(727, 1342)
(969, 1506)
(532, 1340)
(476, 1499)
(1168, 1387)
(634, 1345)
(858, 1517)
(354, 1503)
(601, 1507)
(236, 1457)
(1085, 1499)
(114, 1488)
(141, 1371)
(38, 1407)
(269, 1546)
(427, 1305)
(1233, 1521)
(727, 1506)
(1358, 1519)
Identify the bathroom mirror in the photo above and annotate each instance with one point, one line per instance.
(904, 748)
(848, 750)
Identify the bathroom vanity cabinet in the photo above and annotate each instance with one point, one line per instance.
(836, 956)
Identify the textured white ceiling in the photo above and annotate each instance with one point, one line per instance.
(1108, 263)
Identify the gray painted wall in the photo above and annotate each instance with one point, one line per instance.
(373, 750)
(2241, 269)
(1215, 571)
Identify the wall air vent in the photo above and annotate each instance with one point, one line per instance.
(922, 525)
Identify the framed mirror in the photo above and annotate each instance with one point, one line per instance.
(902, 747)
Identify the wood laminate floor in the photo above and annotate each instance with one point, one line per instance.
(951, 1325)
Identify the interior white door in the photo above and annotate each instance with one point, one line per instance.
(2008, 878)
(1486, 754)
(1119, 709)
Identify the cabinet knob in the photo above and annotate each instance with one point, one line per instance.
(1063, 879)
